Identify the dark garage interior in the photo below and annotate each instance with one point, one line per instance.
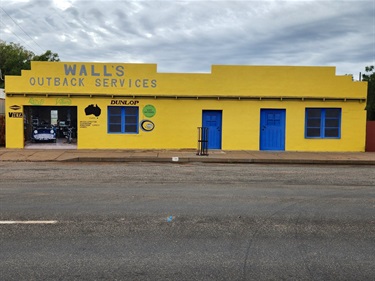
(56, 119)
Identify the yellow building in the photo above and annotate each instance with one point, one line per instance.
(133, 106)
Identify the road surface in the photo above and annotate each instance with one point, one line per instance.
(143, 221)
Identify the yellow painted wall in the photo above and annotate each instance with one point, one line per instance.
(137, 79)
(176, 119)
(13, 126)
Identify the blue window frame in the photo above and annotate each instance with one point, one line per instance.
(123, 119)
(323, 123)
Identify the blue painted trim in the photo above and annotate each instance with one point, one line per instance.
(123, 116)
(272, 136)
(322, 123)
(214, 131)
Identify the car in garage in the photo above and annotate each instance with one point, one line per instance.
(44, 133)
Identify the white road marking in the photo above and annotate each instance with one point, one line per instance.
(28, 222)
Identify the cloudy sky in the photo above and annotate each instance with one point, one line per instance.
(191, 35)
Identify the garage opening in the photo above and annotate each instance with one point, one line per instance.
(50, 127)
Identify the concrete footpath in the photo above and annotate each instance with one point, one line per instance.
(186, 156)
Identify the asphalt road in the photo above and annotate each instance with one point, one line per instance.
(186, 222)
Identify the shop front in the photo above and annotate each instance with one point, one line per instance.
(133, 106)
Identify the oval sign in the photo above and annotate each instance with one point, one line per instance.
(15, 107)
(147, 125)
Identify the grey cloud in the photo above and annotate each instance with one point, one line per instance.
(190, 36)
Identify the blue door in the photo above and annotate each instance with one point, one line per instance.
(212, 120)
(272, 129)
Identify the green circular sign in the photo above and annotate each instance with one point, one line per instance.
(149, 111)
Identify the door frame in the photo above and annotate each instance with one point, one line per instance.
(282, 130)
(218, 143)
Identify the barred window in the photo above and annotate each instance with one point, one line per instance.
(123, 119)
(323, 123)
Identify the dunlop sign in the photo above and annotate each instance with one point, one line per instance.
(15, 114)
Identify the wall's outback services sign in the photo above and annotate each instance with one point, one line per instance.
(101, 75)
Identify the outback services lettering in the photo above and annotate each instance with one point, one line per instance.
(106, 76)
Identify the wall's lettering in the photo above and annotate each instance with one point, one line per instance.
(94, 70)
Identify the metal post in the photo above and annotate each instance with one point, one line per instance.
(202, 141)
